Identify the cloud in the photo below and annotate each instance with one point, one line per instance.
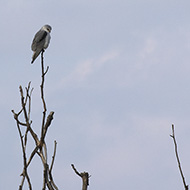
(86, 68)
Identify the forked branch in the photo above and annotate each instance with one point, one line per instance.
(85, 177)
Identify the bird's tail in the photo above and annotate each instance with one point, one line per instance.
(35, 55)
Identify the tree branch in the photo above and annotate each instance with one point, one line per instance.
(42, 91)
(25, 173)
(51, 167)
(85, 177)
(177, 157)
(35, 137)
(40, 145)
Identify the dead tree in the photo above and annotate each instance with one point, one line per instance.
(40, 148)
(85, 177)
(178, 160)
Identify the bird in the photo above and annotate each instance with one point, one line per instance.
(41, 41)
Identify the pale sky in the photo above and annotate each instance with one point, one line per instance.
(119, 77)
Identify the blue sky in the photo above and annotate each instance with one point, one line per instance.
(118, 78)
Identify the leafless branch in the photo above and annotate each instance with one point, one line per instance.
(53, 157)
(42, 91)
(51, 167)
(25, 173)
(85, 177)
(40, 148)
(28, 123)
(177, 157)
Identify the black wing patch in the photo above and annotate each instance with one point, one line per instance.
(43, 36)
(38, 39)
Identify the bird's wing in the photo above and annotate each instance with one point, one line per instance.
(35, 55)
(39, 40)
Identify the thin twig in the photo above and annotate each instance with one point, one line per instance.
(35, 137)
(16, 118)
(177, 157)
(53, 157)
(51, 167)
(75, 170)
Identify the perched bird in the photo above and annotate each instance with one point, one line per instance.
(41, 41)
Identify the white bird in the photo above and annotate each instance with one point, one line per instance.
(41, 41)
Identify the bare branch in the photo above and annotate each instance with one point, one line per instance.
(40, 145)
(42, 83)
(50, 187)
(24, 174)
(32, 155)
(53, 157)
(51, 167)
(85, 177)
(35, 137)
(29, 95)
(75, 170)
(16, 118)
(177, 157)
(42, 96)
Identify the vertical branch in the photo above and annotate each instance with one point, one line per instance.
(44, 160)
(28, 96)
(42, 94)
(53, 157)
(43, 80)
(177, 157)
(85, 177)
(25, 173)
(51, 167)
(47, 177)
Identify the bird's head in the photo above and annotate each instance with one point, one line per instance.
(47, 28)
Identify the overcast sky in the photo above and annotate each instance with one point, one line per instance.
(119, 77)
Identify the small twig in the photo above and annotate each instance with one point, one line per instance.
(35, 137)
(16, 118)
(51, 167)
(29, 95)
(46, 71)
(177, 157)
(75, 170)
(53, 157)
